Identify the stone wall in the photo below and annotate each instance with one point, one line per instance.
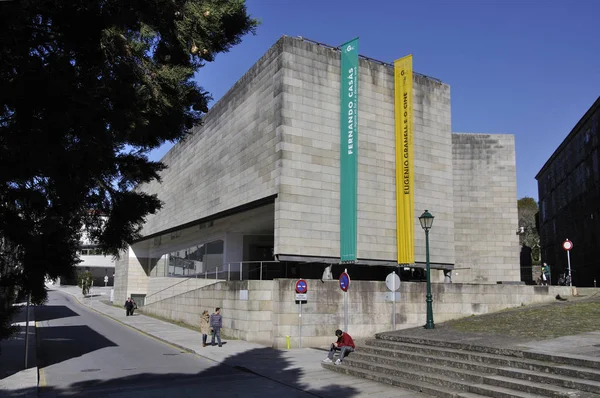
(485, 204)
(230, 160)
(165, 287)
(265, 311)
(130, 277)
(246, 308)
(307, 209)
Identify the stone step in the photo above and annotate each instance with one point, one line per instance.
(393, 341)
(420, 362)
(536, 388)
(559, 380)
(414, 382)
(452, 377)
(478, 361)
(423, 341)
(573, 360)
(407, 383)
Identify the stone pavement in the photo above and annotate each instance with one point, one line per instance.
(15, 378)
(297, 368)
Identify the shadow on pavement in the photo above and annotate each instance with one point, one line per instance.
(61, 343)
(50, 312)
(239, 375)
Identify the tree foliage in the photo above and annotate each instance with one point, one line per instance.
(528, 210)
(87, 89)
(8, 278)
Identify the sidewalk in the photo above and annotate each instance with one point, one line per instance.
(297, 368)
(15, 380)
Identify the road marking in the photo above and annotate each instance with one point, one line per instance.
(41, 372)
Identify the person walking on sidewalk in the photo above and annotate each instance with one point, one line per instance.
(545, 274)
(128, 306)
(133, 306)
(204, 326)
(216, 321)
(344, 345)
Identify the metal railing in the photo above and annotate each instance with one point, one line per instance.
(238, 270)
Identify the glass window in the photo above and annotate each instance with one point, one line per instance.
(196, 259)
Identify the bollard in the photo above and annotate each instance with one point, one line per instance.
(287, 342)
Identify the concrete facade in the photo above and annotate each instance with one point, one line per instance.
(265, 311)
(307, 207)
(485, 197)
(264, 167)
(230, 160)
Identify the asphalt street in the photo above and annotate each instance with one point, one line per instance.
(81, 352)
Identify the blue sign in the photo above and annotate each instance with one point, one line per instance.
(301, 286)
(344, 281)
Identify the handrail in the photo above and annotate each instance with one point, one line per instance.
(223, 268)
(168, 287)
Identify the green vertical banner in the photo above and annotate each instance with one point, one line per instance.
(348, 150)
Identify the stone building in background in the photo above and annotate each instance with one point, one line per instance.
(569, 195)
(254, 192)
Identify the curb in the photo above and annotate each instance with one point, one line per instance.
(175, 345)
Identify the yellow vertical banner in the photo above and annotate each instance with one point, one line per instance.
(405, 202)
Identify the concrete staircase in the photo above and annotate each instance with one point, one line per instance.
(452, 369)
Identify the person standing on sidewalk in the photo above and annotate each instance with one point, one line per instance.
(344, 344)
(216, 321)
(204, 326)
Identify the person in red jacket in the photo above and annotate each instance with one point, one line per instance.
(344, 345)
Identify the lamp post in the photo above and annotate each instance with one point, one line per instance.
(426, 220)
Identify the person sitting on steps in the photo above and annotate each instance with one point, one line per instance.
(344, 345)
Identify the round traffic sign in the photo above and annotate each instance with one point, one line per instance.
(344, 281)
(106, 279)
(567, 245)
(392, 281)
(301, 286)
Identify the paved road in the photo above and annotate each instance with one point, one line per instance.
(84, 353)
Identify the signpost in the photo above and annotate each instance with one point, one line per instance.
(568, 245)
(105, 280)
(392, 281)
(344, 285)
(301, 295)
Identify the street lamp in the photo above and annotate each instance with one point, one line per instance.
(426, 221)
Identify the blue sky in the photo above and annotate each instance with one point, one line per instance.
(529, 68)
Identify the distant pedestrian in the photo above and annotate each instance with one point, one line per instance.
(216, 321)
(204, 326)
(545, 274)
(344, 344)
(128, 306)
(134, 306)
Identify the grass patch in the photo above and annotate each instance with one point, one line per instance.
(538, 322)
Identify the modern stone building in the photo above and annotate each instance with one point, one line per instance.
(569, 196)
(254, 193)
